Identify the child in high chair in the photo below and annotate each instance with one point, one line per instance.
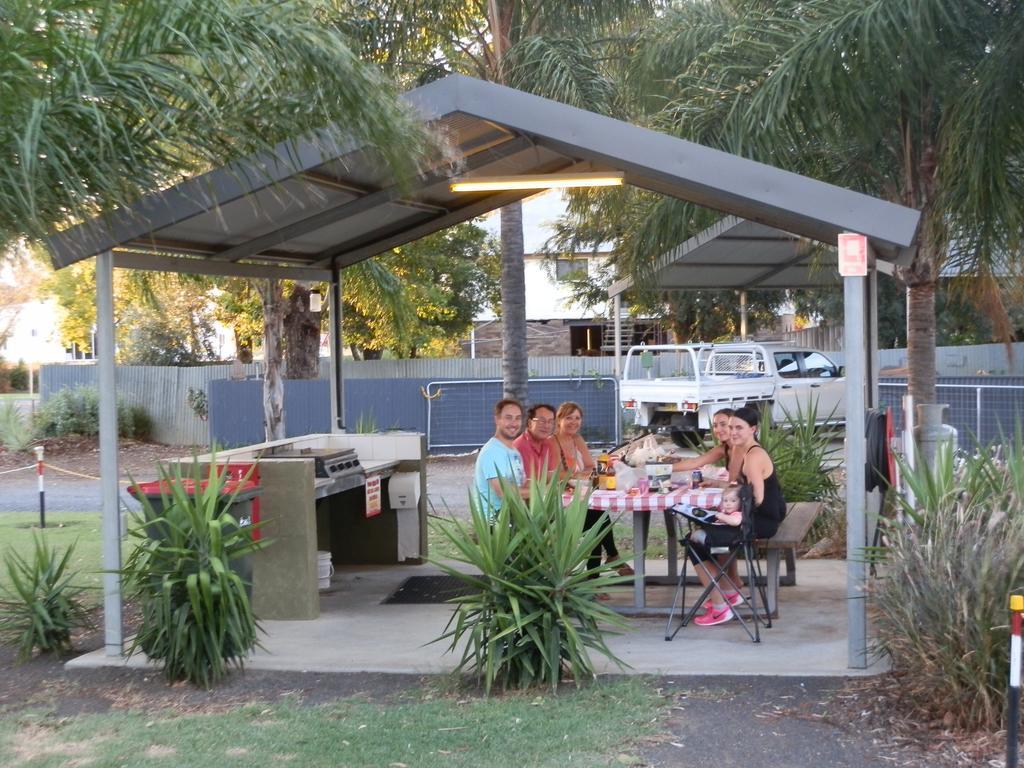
(729, 514)
(729, 508)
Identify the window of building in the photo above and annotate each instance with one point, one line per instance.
(570, 269)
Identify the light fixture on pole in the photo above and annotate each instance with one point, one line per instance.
(536, 181)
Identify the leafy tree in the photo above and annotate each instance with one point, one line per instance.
(74, 288)
(917, 101)
(554, 49)
(238, 306)
(160, 319)
(593, 220)
(437, 285)
(171, 325)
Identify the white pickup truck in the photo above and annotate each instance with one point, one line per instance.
(677, 388)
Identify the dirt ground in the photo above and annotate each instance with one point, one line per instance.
(816, 721)
(81, 455)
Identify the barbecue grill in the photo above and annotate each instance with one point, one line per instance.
(338, 464)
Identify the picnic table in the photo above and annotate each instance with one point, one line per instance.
(641, 506)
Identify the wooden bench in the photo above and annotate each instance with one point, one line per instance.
(800, 516)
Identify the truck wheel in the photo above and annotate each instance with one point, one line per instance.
(688, 438)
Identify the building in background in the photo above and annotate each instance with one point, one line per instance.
(28, 332)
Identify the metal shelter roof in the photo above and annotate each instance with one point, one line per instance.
(739, 254)
(309, 206)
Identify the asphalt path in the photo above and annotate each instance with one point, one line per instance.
(19, 492)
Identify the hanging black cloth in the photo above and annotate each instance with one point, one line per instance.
(876, 468)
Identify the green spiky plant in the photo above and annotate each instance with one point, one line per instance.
(801, 452)
(951, 560)
(532, 617)
(16, 433)
(196, 617)
(40, 608)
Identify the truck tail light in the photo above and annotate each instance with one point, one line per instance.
(629, 403)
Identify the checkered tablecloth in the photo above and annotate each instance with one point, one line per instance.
(619, 501)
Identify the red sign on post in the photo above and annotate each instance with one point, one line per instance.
(853, 255)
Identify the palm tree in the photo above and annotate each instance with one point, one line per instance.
(917, 101)
(553, 49)
(101, 103)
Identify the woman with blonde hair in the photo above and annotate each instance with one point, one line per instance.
(576, 462)
(721, 451)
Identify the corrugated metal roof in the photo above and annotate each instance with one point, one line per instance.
(307, 206)
(740, 254)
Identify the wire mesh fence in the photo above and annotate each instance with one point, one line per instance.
(982, 412)
(460, 413)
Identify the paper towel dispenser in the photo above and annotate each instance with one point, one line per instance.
(404, 490)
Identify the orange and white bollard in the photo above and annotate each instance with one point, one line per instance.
(1013, 696)
(42, 491)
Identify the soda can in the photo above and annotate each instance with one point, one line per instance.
(696, 478)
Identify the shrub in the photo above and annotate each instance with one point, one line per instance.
(19, 377)
(196, 618)
(801, 453)
(76, 411)
(142, 424)
(16, 433)
(41, 608)
(941, 605)
(532, 616)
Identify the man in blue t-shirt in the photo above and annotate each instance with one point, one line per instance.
(499, 458)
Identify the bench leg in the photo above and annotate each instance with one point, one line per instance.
(789, 578)
(772, 577)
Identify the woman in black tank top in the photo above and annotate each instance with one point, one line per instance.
(757, 470)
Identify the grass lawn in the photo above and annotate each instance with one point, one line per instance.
(65, 528)
(62, 530)
(589, 727)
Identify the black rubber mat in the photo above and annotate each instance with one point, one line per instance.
(429, 589)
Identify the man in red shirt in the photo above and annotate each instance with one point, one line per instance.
(535, 445)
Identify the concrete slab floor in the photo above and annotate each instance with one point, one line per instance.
(356, 632)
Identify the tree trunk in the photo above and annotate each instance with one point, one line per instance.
(514, 360)
(273, 338)
(302, 336)
(921, 341)
(921, 279)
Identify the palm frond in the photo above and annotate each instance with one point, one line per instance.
(101, 107)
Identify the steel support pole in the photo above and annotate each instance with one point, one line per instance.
(874, 360)
(337, 383)
(113, 630)
(856, 454)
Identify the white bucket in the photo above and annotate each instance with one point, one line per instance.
(325, 568)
